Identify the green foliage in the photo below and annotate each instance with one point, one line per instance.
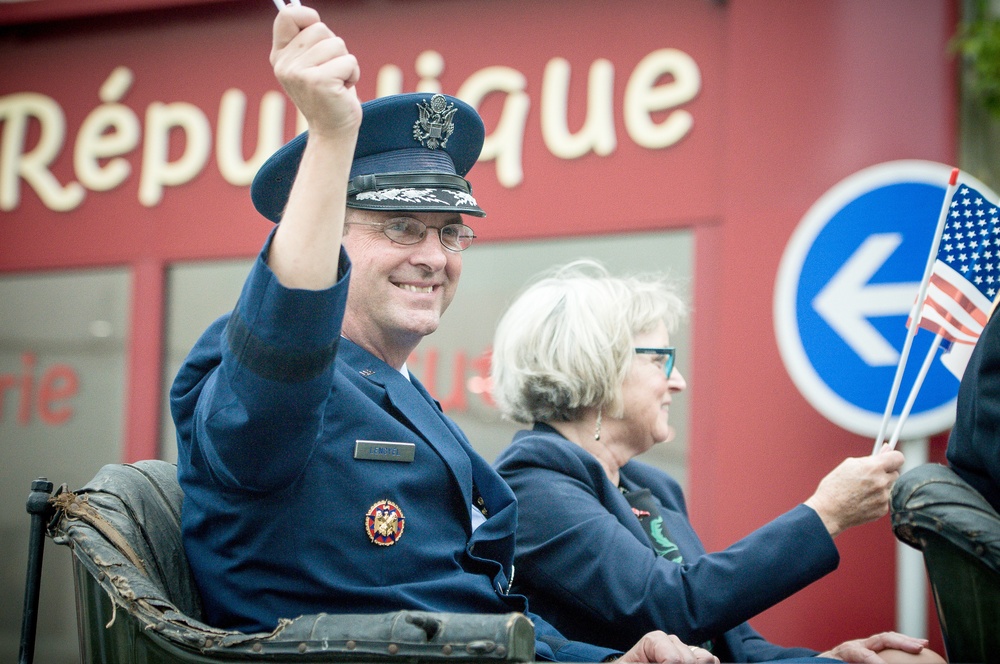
(978, 40)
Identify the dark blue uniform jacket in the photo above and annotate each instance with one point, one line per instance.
(268, 408)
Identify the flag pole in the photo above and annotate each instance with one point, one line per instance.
(908, 406)
(916, 311)
(898, 378)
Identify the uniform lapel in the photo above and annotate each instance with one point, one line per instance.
(493, 539)
(420, 411)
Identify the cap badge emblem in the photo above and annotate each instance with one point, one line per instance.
(384, 523)
(435, 124)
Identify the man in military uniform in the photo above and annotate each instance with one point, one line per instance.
(319, 475)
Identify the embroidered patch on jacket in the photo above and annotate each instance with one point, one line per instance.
(384, 523)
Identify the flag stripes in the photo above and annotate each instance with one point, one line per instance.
(954, 308)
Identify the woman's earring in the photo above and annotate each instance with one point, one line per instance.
(597, 429)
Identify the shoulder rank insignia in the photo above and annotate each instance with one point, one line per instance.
(384, 523)
(435, 123)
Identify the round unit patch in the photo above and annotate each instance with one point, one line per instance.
(384, 523)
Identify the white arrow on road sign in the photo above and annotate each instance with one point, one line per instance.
(849, 300)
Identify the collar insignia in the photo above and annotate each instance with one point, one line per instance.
(435, 125)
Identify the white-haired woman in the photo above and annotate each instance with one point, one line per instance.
(605, 550)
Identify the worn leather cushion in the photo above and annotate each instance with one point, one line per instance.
(933, 497)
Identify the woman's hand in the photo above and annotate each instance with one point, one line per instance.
(885, 648)
(661, 648)
(856, 491)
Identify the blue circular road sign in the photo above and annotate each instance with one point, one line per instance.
(846, 284)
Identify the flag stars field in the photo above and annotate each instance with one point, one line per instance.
(961, 286)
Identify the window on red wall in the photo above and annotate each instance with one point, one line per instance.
(197, 294)
(62, 382)
(453, 362)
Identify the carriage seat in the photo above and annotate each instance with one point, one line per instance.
(958, 531)
(137, 600)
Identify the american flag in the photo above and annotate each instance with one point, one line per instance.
(965, 278)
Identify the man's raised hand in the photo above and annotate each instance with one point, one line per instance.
(317, 71)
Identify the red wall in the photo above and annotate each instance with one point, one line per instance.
(814, 92)
(795, 96)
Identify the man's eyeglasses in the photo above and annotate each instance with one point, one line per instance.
(406, 230)
(666, 356)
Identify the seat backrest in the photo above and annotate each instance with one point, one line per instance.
(137, 599)
(958, 531)
(136, 508)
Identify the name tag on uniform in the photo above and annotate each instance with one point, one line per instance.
(381, 450)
